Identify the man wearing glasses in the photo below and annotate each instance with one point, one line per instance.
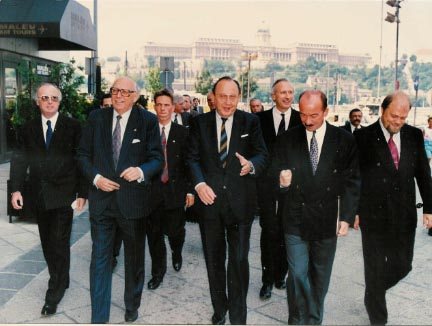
(47, 147)
(119, 153)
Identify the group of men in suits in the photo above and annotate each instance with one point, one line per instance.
(139, 173)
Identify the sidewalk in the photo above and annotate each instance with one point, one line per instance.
(183, 297)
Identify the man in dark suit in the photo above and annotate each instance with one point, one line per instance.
(47, 147)
(317, 165)
(119, 153)
(354, 123)
(391, 155)
(273, 255)
(170, 193)
(196, 106)
(187, 105)
(255, 105)
(226, 152)
(179, 116)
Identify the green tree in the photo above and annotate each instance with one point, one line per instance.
(152, 80)
(219, 67)
(243, 80)
(204, 82)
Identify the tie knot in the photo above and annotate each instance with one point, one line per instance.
(119, 117)
(48, 123)
(224, 120)
(283, 115)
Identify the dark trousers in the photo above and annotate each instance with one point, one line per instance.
(387, 260)
(161, 222)
(103, 230)
(217, 235)
(55, 227)
(310, 264)
(273, 254)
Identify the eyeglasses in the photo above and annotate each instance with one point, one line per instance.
(46, 98)
(123, 92)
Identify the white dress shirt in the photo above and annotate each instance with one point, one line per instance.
(53, 120)
(319, 135)
(179, 118)
(396, 137)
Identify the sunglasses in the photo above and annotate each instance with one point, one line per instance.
(123, 92)
(46, 98)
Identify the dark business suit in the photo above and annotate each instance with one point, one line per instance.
(273, 254)
(168, 201)
(125, 208)
(387, 211)
(198, 109)
(347, 127)
(55, 182)
(310, 213)
(234, 206)
(185, 118)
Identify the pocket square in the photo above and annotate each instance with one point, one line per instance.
(243, 136)
(136, 141)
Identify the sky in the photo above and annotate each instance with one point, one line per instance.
(354, 26)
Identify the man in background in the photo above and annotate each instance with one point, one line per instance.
(255, 105)
(355, 119)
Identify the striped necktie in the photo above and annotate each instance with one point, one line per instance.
(116, 141)
(223, 151)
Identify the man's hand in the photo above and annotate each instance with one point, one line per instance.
(343, 229)
(190, 200)
(285, 178)
(246, 166)
(206, 194)
(80, 203)
(356, 222)
(427, 221)
(17, 200)
(131, 174)
(107, 185)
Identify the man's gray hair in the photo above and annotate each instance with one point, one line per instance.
(35, 96)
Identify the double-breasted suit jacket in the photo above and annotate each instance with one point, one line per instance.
(311, 202)
(54, 175)
(141, 147)
(205, 165)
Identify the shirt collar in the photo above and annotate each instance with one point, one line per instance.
(53, 119)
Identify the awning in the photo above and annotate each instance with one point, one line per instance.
(57, 24)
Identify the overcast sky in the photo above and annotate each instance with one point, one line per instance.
(353, 25)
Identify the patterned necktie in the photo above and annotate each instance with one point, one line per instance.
(281, 128)
(223, 152)
(48, 135)
(175, 118)
(164, 176)
(116, 141)
(394, 152)
(313, 152)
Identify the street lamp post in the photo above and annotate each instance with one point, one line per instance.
(392, 18)
(249, 56)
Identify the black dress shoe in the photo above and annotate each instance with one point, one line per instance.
(177, 262)
(265, 292)
(218, 320)
(154, 283)
(131, 315)
(280, 285)
(49, 309)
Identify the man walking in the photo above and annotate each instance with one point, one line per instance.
(47, 146)
(119, 153)
(226, 152)
(317, 165)
(392, 156)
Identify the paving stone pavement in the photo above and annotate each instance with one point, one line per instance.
(183, 297)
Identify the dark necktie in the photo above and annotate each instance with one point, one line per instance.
(223, 151)
(175, 119)
(313, 152)
(393, 151)
(164, 176)
(281, 128)
(116, 141)
(48, 135)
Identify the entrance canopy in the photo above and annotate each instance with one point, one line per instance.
(57, 24)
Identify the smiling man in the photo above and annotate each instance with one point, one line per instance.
(226, 153)
(317, 167)
(119, 153)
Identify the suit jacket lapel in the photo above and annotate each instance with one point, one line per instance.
(58, 131)
(405, 144)
(212, 127)
(382, 148)
(235, 137)
(328, 150)
(38, 132)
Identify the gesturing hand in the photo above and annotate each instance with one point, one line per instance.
(285, 178)
(246, 165)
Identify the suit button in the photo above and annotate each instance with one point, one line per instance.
(224, 187)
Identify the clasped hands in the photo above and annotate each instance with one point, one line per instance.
(130, 174)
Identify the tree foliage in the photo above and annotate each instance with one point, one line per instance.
(204, 82)
(152, 80)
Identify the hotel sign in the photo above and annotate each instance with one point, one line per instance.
(28, 30)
